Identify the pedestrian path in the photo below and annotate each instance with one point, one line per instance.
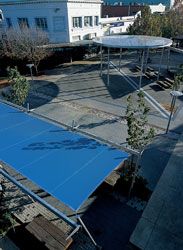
(161, 224)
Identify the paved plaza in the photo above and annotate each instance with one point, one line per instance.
(85, 99)
(77, 95)
(161, 224)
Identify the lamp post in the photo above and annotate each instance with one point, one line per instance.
(174, 95)
(30, 65)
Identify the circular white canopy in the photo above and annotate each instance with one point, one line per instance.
(133, 41)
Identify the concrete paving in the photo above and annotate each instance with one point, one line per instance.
(79, 94)
(161, 224)
(99, 110)
(159, 227)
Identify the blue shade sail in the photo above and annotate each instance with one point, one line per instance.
(65, 164)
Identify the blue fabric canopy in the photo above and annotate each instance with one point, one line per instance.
(65, 164)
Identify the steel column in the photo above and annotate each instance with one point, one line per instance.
(101, 60)
(86, 229)
(147, 55)
(162, 52)
(168, 59)
(141, 71)
(120, 55)
(108, 64)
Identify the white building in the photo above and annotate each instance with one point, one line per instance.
(117, 25)
(1, 19)
(157, 8)
(63, 20)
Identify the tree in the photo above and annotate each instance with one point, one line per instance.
(169, 24)
(178, 6)
(26, 43)
(139, 134)
(19, 87)
(172, 24)
(146, 24)
(178, 79)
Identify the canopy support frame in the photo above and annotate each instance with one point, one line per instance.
(101, 61)
(141, 69)
(168, 59)
(40, 200)
(159, 69)
(147, 56)
(108, 65)
(49, 207)
(86, 230)
(120, 57)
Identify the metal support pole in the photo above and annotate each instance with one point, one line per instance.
(168, 59)
(171, 113)
(37, 198)
(108, 64)
(141, 71)
(73, 232)
(30, 65)
(28, 107)
(160, 64)
(120, 55)
(101, 60)
(147, 55)
(31, 74)
(85, 228)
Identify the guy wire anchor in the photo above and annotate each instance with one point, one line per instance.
(75, 125)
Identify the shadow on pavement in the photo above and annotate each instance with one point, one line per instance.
(155, 159)
(110, 222)
(42, 92)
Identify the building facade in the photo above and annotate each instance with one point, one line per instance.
(118, 25)
(63, 20)
(1, 19)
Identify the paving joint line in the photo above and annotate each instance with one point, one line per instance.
(94, 111)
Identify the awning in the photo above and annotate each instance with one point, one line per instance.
(65, 164)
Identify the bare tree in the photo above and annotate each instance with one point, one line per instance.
(26, 43)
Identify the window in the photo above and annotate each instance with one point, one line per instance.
(76, 38)
(88, 21)
(9, 22)
(77, 22)
(96, 19)
(41, 23)
(59, 23)
(23, 22)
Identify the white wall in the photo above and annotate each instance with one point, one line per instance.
(1, 19)
(121, 29)
(160, 8)
(55, 9)
(117, 25)
(80, 10)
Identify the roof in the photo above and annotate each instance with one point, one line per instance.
(67, 165)
(120, 11)
(12, 2)
(133, 42)
(68, 45)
